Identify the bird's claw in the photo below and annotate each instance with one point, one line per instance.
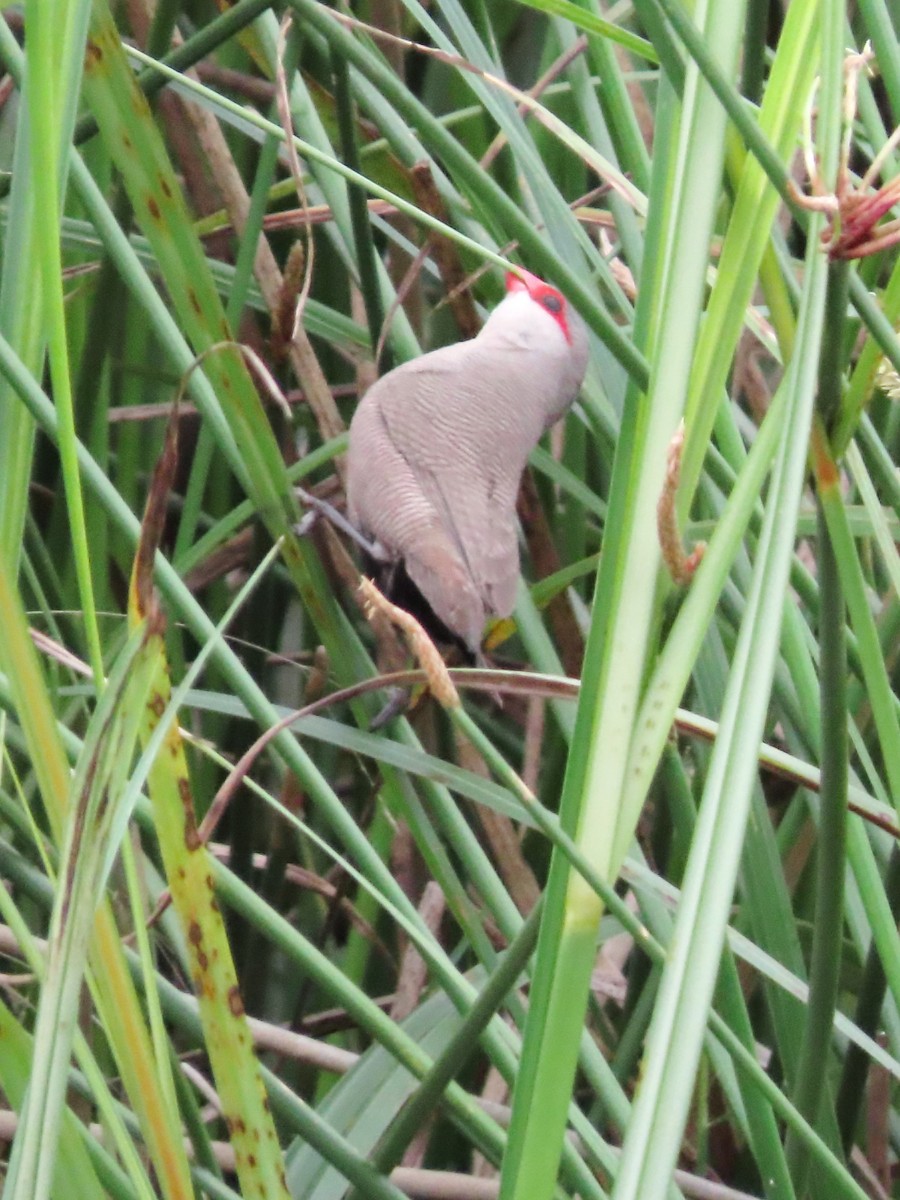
(396, 705)
(321, 508)
(305, 525)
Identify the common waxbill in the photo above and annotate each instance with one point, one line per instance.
(438, 447)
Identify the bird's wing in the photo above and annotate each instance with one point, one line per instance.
(437, 426)
(388, 498)
(481, 517)
(444, 579)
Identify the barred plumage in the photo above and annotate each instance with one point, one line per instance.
(438, 446)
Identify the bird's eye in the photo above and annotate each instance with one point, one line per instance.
(551, 302)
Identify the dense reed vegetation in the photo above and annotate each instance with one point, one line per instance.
(635, 938)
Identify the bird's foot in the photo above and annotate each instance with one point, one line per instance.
(397, 704)
(319, 508)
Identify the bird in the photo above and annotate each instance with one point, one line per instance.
(437, 448)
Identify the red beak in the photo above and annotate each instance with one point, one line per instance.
(521, 280)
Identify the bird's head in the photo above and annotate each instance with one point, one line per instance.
(545, 295)
(536, 317)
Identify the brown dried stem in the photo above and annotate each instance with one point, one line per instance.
(680, 564)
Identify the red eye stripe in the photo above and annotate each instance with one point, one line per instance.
(544, 294)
